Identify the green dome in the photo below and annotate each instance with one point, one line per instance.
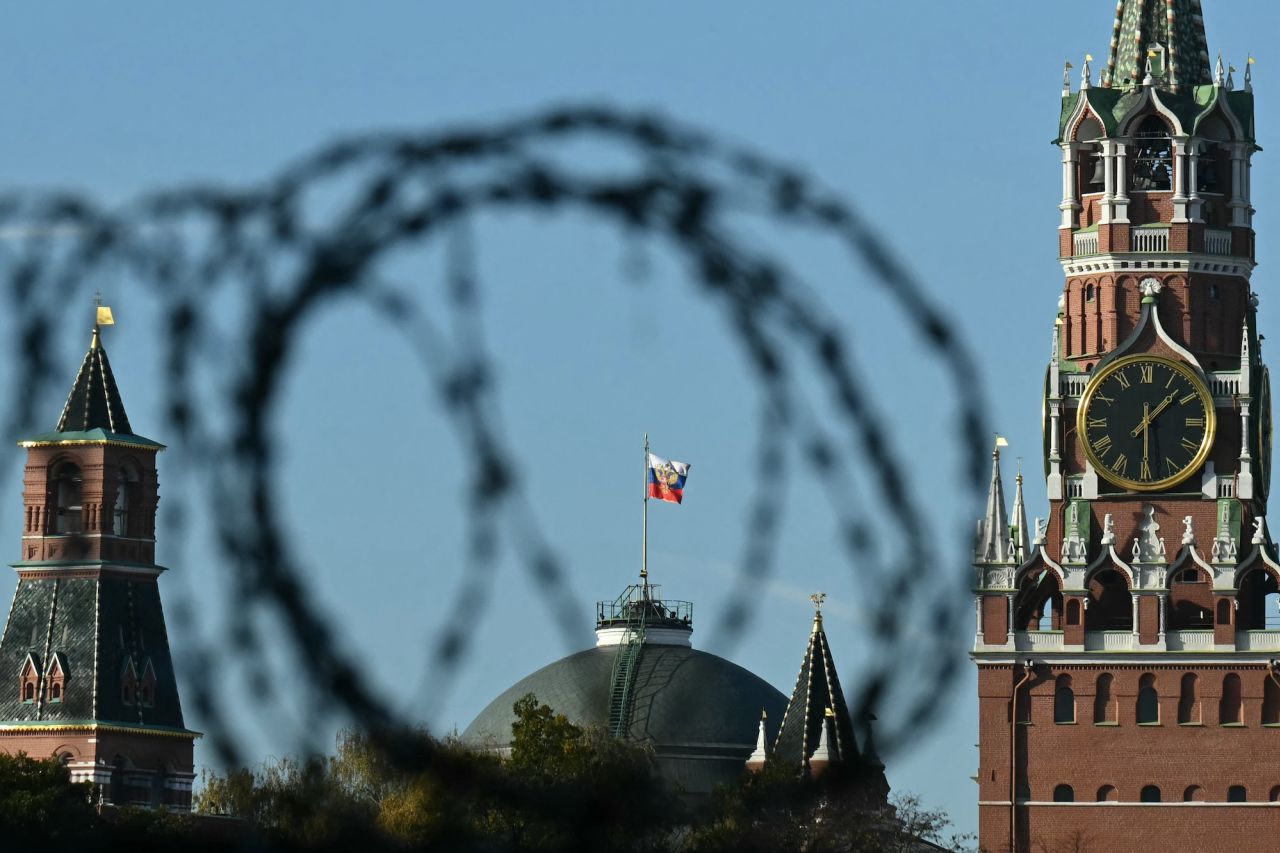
(700, 712)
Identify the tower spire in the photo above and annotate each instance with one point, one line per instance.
(1173, 30)
(993, 529)
(1019, 530)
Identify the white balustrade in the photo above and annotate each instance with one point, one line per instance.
(1258, 641)
(1191, 640)
(1084, 243)
(1149, 240)
(1038, 641)
(1217, 241)
(1110, 641)
(1073, 384)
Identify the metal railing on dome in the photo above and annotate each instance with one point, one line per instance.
(643, 602)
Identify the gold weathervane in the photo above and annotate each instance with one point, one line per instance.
(818, 598)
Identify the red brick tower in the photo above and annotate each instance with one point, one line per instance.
(85, 646)
(1128, 694)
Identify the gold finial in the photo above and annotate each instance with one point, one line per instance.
(817, 598)
(764, 715)
(829, 712)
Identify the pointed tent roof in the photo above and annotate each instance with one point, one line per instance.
(817, 690)
(94, 401)
(94, 412)
(1175, 25)
(993, 529)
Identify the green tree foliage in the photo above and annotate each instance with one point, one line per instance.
(782, 809)
(38, 801)
(562, 787)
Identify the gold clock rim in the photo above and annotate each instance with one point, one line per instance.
(1210, 430)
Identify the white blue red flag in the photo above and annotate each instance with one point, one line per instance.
(666, 479)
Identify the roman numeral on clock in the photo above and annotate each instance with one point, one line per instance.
(1120, 464)
(1146, 471)
(1122, 379)
(1189, 445)
(1097, 423)
(1194, 422)
(1146, 372)
(1102, 445)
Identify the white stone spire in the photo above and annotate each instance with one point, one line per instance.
(1020, 531)
(757, 759)
(993, 529)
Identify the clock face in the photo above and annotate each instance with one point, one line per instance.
(1147, 422)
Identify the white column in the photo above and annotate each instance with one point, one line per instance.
(1180, 180)
(977, 608)
(1135, 618)
(1011, 626)
(1239, 203)
(1195, 204)
(1070, 188)
(1164, 600)
(1244, 480)
(1121, 184)
(1108, 181)
(1055, 460)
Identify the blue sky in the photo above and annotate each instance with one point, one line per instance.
(934, 119)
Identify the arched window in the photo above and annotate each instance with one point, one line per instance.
(126, 497)
(1193, 794)
(55, 693)
(1108, 794)
(1237, 794)
(1224, 612)
(1104, 706)
(1152, 156)
(1270, 702)
(1274, 796)
(1110, 604)
(1188, 701)
(1229, 710)
(68, 485)
(28, 678)
(1150, 794)
(1088, 293)
(1064, 794)
(1064, 701)
(147, 686)
(1073, 612)
(1148, 700)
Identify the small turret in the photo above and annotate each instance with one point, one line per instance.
(993, 529)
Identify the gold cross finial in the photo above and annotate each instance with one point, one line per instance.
(818, 598)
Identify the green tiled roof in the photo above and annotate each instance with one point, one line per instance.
(94, 624)
(91, 436)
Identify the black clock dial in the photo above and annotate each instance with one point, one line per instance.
(1147, 422)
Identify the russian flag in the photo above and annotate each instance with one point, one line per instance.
(666, 479)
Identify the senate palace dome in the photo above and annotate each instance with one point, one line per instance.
(643, 680)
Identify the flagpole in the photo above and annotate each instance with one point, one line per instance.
(644, 540)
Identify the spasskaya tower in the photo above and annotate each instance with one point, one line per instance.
(1129, 692)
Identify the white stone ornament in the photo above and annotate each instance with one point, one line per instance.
(1259, 531)
(1150, 286)
(1041, 527)
(1108, 530)
(1148, 547)
(1188, 535)
(1137, 551)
